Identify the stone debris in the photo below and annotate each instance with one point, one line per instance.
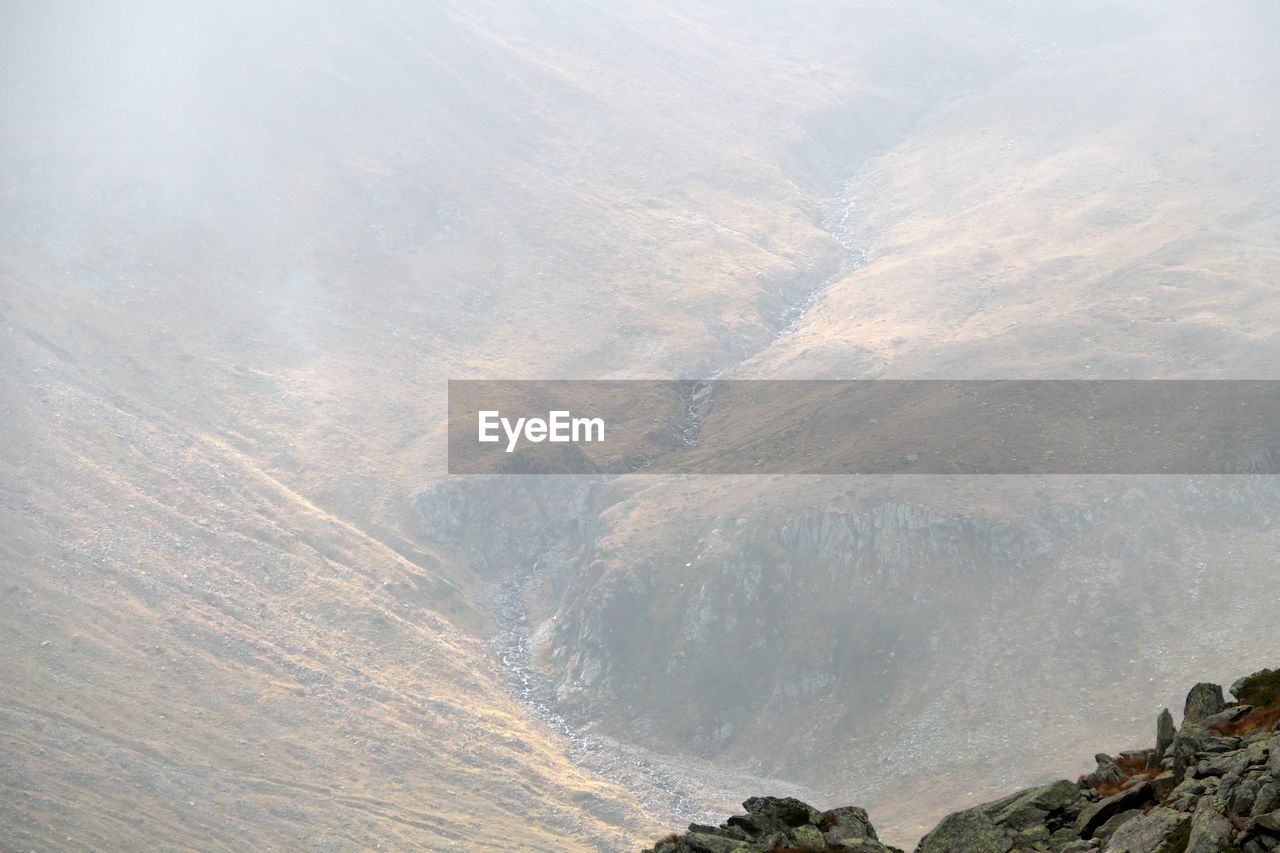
(1210, 786)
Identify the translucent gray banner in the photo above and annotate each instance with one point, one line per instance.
(864, 427)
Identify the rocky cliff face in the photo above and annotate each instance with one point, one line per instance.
(1211, 785)
(866, 645)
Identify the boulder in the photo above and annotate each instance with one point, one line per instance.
(1261, 688)
(1164, 735)
(780, 823)
(1036, 806)
(1203, 702)
(770, 815)
(1243, 796)
(848, 822)
(965, 832)
(1211, 832)
(1110, 828)
(1186, 747)
(1229, 715)
(1162, 786)
(807, 836)
(787, 810)
(1160, 830)
(1187, 795)
(1268, 799)
(1268, 823)
(703, 842)
(1094, 815)
(1107, 770)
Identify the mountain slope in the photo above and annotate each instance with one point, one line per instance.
(202, 658)
(243, 247)
(1106, 209)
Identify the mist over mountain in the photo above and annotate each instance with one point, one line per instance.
(243, 247)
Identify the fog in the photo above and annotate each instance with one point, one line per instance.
(244, 246)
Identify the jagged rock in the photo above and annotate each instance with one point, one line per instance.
(1260, 687)
(780, 823)
(1243, 796)
(1228, 715)
(1203, 702)
(701, 842)
(1107, 770)
(1164, 735)
(1162, 786)
(1096, 814)
(1214, 765)
(1268, 823)
(1252, 755)
(965, 832)
(1160, 830)
(724, 831)
(1219, 743)
(849, 823)
(1063, 837)
(1109, 828)
(807, 836)
(1034, 819)
(1186, 747)
(774, 815)
(1211, 832)
(1211, 793)
(1037, 805)
(1187, 795)
(1268, 798)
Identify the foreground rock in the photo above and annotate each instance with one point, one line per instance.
(1211, 786)
(780, 824)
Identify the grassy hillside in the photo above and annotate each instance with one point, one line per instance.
(243, 248)
(1106, 209)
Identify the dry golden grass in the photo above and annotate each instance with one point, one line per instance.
(225, 358)
(203, 658)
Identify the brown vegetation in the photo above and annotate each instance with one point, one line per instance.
(1255, 720)
(1262, 691)
(1133, 767)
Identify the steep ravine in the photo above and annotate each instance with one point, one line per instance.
(913, 637)
(840, 222)
(551, 523)
(855, 650)
(763, 644)
(671, 788)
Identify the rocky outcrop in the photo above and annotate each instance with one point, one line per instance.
(1211, 786)
(1164, 734)
(780, 824)
(1204, 701)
